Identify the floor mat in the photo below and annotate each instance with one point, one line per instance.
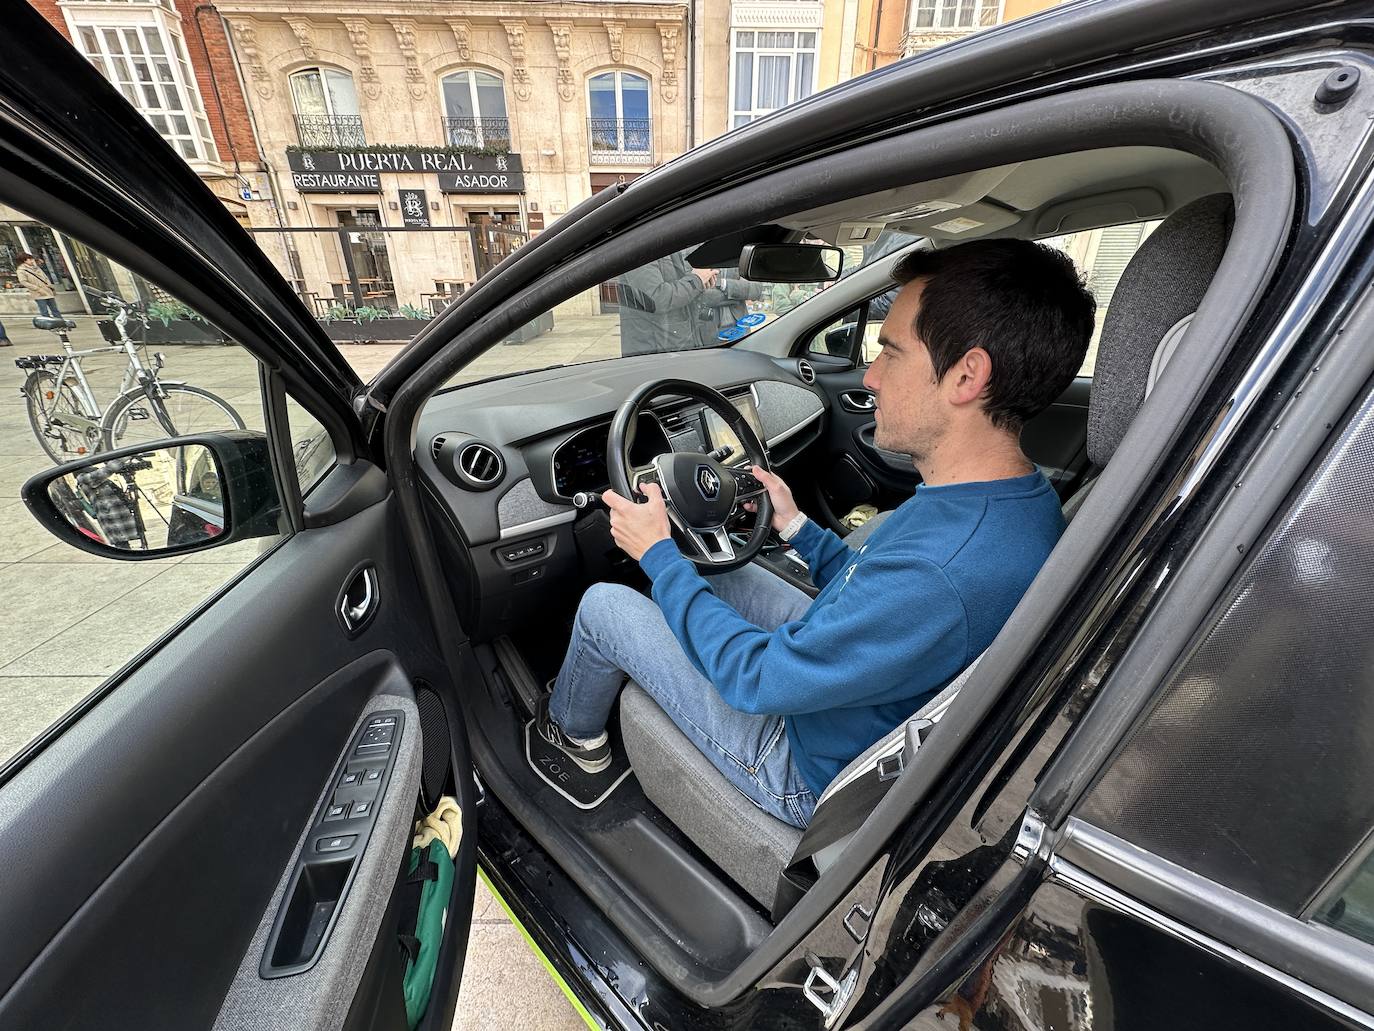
(584, 790)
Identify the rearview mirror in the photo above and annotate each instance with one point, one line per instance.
(152, 501)
(790, 263)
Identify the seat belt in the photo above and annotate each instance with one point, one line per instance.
(842, 814)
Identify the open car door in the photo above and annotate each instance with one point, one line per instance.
(220, 834)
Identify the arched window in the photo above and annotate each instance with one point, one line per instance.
(475, 110)
(326, 109)
(618, 118)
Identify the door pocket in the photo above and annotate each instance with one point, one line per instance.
(845, 485)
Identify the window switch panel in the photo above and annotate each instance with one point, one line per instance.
(341, 826)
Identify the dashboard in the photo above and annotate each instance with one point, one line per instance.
(500, 462)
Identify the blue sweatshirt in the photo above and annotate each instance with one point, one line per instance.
(893, 624)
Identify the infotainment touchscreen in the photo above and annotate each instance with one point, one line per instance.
(718, 433)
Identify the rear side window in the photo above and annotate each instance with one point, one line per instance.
(1102, 255)
(1253, 768)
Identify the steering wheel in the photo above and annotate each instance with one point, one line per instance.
(699, 491)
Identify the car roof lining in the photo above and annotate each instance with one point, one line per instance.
(1042, 197)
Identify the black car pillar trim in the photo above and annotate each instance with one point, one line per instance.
(1232, 129)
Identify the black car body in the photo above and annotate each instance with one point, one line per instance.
(1145, 806)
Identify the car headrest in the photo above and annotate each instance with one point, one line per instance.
(1154, 301)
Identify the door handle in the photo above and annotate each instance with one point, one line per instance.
(358, 601)
(858, 401)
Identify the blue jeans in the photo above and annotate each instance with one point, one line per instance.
(47, 306)
(619, 631)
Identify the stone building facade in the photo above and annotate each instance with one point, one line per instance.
(422, 142)
(171, 59)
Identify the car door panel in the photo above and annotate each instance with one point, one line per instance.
(143, 846)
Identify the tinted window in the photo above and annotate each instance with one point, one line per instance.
(1253, 768)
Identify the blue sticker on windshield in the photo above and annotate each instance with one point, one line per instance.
(732, 333)
(757, 318)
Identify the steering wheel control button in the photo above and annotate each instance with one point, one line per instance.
(337, 844)
(337, 811)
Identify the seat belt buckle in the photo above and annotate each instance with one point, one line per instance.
(889, 767)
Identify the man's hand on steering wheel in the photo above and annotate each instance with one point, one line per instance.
(784, 507)
(637, 528)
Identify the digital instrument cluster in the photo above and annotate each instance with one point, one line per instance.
(579, 463)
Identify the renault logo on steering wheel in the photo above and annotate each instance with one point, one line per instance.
(708, 482)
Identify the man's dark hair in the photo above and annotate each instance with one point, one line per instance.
(1024, 303)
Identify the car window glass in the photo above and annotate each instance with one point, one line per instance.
(72, 618)
(663, 306)
(1102, 255)
(311, 448)
(836, 340)
(1352, 909)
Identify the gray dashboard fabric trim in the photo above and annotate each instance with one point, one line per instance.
(785, 408)
(320, 997)
(522, 504)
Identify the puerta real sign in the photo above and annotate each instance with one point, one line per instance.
(341, 171)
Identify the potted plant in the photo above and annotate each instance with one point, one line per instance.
(369, 324)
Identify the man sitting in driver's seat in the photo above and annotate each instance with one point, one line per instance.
(779, 691)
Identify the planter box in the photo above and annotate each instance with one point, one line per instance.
(379, 331)
(532, 329)
(178, 331)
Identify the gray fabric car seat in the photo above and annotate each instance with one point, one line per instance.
(1150, 311)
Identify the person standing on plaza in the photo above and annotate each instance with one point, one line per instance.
(4, 340)
(33, 279)
(661, 304)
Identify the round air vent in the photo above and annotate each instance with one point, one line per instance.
(480, 466)
(805, 371)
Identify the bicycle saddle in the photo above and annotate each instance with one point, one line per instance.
(54, 325)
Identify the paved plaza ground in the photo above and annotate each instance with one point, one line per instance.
(72, 619)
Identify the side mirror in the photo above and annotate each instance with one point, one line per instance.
(151, 501)
(790, 263)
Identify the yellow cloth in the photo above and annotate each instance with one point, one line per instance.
(445, 823)
(857, 516)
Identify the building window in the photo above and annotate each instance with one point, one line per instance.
(618, 119)
(326, 109)
(475, 110)
(770, 70)
(956, 14)
(139, 49)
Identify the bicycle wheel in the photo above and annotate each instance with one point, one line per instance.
(179, 410)
(45, 399)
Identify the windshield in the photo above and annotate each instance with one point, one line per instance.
(663, 306)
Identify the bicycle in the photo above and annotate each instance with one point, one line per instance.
(68, 420)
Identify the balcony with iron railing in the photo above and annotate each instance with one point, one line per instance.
(330, 132)
(620, 141)
(477, 132)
